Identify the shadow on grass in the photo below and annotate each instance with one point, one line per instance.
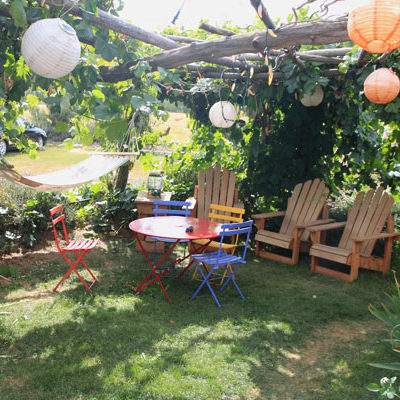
(113, 345)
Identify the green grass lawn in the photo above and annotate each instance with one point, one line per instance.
(296, 336)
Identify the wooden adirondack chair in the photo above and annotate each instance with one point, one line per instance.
(215, 185)
(364, 226)
(306, 205)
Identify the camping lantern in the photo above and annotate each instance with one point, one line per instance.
(375, 27)
(51, 48)
(222, 114)
(155, 184)
(382, 86)
(312, 100)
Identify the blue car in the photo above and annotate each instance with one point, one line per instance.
(33, 132)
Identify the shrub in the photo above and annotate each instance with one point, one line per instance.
(390, 315)
(108, 210)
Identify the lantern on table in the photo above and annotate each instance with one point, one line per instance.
(375, 27)
(222, 114)
(51, 48)
(313, 100)
(382, 86)
(155, 184)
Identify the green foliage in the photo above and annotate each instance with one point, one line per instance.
(387, 388)
(108, 210)
(34, 216)
(390, 315)
(9, 270)
(208, 146)
(24, 214)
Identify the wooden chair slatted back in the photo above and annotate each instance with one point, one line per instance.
(224, 214)
(291, 208)
(367, 217)
(305, 205)
(216, 185)
(215, 198)
(201, 193)
(378, 222)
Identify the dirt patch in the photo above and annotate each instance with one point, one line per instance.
(304, 367)
(45, 253)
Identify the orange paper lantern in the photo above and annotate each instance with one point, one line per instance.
(375, 27)
(382, 86)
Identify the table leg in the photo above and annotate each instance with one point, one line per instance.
(157, 277)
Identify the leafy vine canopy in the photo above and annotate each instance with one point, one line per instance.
(126, 73)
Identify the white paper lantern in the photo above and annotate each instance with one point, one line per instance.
(312, 100)
(51, 48)
(222, 114)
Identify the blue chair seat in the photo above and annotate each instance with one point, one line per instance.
(222, 258)
(217, 259)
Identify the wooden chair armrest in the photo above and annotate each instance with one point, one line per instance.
(315, 223)
(259, 219)
(269, 215)
(326, 227)
(383, 235)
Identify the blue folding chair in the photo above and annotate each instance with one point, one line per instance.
(164, 207)
(219, 259)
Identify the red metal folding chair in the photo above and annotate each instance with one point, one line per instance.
(79, 247)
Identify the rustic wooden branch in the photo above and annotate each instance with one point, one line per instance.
(213, 29)
(263, 13)
(383, 56)
(315, 33)
(116, 24)
(319, 59)
(183, 39)
(246, 46)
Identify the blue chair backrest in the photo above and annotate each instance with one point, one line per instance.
(183, 210)
(238, 228)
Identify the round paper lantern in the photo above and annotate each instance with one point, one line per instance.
(312, 100)
(222, 114)
(51, 48)
(382, 86)
(375, 27)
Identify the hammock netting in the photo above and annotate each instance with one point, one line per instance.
(97, 165)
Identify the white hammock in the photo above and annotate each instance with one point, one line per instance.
(98, 164)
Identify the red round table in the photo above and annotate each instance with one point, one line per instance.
(171, 227)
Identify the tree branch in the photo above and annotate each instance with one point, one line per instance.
(215, 30)
(315, 33)
(263, 13)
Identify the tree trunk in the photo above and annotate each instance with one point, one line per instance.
(122, 178)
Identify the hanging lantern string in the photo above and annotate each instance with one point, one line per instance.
(266, 50)
(246, 88)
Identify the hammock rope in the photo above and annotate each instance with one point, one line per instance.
(98, 164)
